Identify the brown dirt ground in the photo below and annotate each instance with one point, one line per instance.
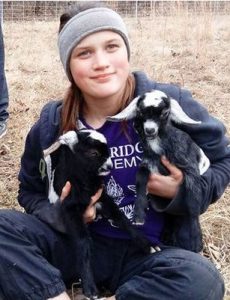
(190, 51)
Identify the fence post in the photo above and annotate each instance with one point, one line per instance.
(1, 12)
(136, 9)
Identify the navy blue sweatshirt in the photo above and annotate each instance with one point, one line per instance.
(181, 228)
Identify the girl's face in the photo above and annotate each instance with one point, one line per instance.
(99, 65)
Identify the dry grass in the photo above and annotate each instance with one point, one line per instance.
(190, 51)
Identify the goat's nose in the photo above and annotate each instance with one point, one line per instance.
(150, 131)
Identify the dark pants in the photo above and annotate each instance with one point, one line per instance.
(4, 98)
(37, 262)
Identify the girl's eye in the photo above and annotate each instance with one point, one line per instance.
(84, 54)
(112, 47)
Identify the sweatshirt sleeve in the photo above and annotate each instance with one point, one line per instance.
(211, 137)
(33, 183)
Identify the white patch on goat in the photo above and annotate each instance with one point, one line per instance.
(69, 138)
(80, 125)
(151, 165)
(53, 196)
(97, 136)
(150, 124)
(155, 145)
(204, 162)
(154, 169)
(154, 98)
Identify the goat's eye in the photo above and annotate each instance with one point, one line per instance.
(140, 114)
(92, 153)
(164, 114)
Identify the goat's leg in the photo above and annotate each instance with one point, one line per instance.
(141, 202)
(86, 274)
(111, 211)
(79, 234)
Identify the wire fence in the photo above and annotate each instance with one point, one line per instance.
(51, 10)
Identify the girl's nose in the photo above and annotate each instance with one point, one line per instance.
(101, 60)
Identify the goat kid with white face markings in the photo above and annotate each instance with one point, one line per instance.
(82, 158)
(153, 114)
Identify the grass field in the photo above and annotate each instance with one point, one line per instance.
(192, 51)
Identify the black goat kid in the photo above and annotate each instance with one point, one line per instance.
(82, 158)
(152, 114)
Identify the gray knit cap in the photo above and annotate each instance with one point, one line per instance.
(87, 22)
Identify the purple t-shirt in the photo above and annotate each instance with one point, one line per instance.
(126, 154)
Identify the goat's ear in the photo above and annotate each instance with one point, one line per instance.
(69, 139)
(126, 114)
(55, 146)
(179, 116)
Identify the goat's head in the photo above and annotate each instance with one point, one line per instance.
(86, 148)
(151, 112)
(151, 116)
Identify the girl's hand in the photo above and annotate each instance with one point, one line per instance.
(90, 212)
(165, 186)
(65, 191)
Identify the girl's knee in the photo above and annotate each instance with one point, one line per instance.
(192, 276)
(198, 275)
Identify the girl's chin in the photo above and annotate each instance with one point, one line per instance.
(105, 93)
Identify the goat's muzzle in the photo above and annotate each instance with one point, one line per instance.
(150, 133)
(106, 168)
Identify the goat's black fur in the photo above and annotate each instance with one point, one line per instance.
(80, 166)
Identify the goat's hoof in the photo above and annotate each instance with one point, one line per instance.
(155, 249)
(138, 223)
(95, 298)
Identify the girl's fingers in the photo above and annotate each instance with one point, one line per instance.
(65, 191)
(97, 196)
(90, 212)
(173, 170)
